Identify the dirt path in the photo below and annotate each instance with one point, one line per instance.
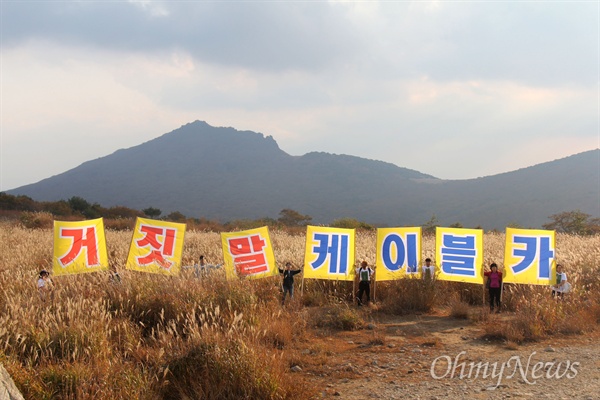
(392, 359)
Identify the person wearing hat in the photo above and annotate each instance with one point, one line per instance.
(364, 282)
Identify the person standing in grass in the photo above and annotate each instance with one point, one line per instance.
(494, 285)
(562, 285)
(44, 285)
(288, 280)
(428, 270)
(364, 282)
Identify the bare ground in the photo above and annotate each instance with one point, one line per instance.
(392, 358)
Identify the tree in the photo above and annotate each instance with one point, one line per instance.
(83, 207)
(351, 223)
(152, 212)
(429, 226)
(290, 217)
(121, 212)
(574, 222)
(17, 203)
(176, 216)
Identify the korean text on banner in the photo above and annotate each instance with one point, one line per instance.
(398, 253)
(79, 247)
(329, 253)
(529, 256)
(156, 247)
(248, 253)
(459, 252)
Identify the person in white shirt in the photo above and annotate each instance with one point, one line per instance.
(364, 282)
(562, 285)
(44, 284)
(428, 270)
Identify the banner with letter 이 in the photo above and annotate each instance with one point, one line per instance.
(398, 253)
(529, 256)
(79, 247)
(329, 253)
(459, 253)
(156, 247)
(248, 253)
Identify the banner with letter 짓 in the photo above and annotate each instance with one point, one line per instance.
(529, 256)
(248, 254)
(156, 247)
(79, 247)
(329, 253)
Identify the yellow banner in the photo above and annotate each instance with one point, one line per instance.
(459, 252)
(529, 256)
(329, 253)
(398, 253)
(79, 247)
(156, 247)
(248, 254)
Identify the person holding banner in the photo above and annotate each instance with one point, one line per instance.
(562, 285)
(288, 280)
(364, 282)
(494, 285)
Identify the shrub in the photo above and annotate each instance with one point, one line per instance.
(37, 220)
(408, 295)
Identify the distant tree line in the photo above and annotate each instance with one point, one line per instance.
(120, 217)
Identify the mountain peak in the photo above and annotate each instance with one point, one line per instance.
(226, 174)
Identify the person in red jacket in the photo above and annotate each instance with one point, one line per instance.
(494, 284)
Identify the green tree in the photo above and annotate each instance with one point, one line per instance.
(429, 226)
(575, 222)
(351, 223)
(290, 217)
(122, 212)
(17, 203)
(85, 208)
(59, 208)
(176, 216)
(152, 212)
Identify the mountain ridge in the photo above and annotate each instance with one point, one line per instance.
(226, 174)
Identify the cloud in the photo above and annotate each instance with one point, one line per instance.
(441, 87)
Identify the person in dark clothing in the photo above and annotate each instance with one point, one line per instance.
(288, 280)
(364, 282)
(494, 285)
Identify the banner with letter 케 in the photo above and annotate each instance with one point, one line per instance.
(329, 253)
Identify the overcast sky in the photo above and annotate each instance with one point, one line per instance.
(453, 89)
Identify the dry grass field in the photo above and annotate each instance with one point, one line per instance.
(156, 337)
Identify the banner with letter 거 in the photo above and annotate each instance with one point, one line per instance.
(79, 247)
